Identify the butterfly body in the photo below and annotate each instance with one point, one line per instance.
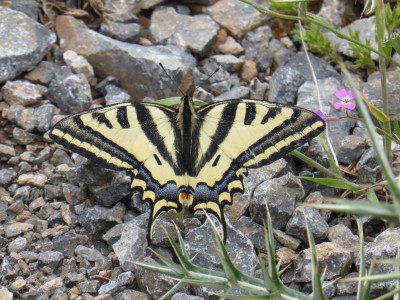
(194, 156)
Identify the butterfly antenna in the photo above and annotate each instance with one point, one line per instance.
(171, 78)
(212, 74)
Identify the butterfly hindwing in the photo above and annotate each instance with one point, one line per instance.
(236, 135)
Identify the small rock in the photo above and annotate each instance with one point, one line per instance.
(43, 73)
(79, 64)
(123, 11)
(16, 229)
(22, 116)
(38, 180)
(99, 219)
(230, 46)
(258, 89)
(249, 71)
(116, 95)
(166, 24)
(280, 194)
(131, 246)
(112, 287)
(242, 17)
(255, 232)
(43, 116)
(347, 288)
(6, 175)
(342, 236)
(125, 32)
(18, 57)
(22, 92)
(18, 284)
(17, 245)
(88, 253)
(235, 93)
(51, 285)
(286, 240)
(296, 225)
(17, 207)
(50, 259)
(258, 50)
(351, 149)
(182, 296)
(65, 243)
(373, 91)
(126, 278)
(6, 294)
(285, 256)
(89, 286)
(22, 137)
(228, 62)
(333, 261)
(6, 150)
(385, 246)
(70, 92)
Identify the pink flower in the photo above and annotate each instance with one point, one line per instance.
(325, 118)
(345, 102)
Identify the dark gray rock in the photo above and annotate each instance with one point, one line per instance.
(239, 92)
(18, 57)
(6, 268)
(385, 246)
(352, 147)
(166, 24)
(50, 259)
(99, 219)
(28, 7)
(161, 224)
(333, 260)
(296, 225)
(114, 234)
(182, 296)
(43, 116)
(101, 87)
(131, 246)
(6, 175)
(73, 279)
(287, 78)
(89, 254)
(111, 287)
(22, 193)
(70, 92)
(111, 192)
(239, 247)
(126, 278)
(255, 232)
(65, 243)
(373, 91)
(89, 286)
(256, 44)
(135, 66)
(125, 32)
(280, 194)
(116, 95)
(347, 288)
(132, 294)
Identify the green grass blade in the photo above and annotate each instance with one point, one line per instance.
(342, 184)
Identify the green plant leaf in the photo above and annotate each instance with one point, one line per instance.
(342, 184)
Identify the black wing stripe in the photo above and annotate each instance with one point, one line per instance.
(250, 113)
(122, 117)
(95, 138)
